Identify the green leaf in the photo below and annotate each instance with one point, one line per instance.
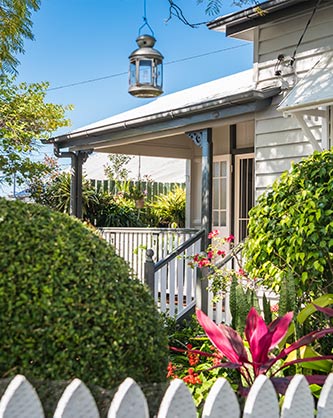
(309, 309)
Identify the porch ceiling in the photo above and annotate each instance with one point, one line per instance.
(158, 128)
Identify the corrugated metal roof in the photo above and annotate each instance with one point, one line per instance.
(313, 90)
(213, 90)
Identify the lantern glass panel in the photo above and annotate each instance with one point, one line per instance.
(145, 73)
(132, 75)
(159, 75)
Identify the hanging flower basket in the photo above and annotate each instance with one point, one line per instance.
(140, 203)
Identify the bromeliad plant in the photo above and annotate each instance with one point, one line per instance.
(256, 356)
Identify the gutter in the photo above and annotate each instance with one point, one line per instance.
(239, 98)
(259, 14)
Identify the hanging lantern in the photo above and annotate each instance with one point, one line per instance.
(145, 73)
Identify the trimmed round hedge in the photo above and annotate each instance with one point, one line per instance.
(68, 307)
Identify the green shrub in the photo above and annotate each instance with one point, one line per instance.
(169, 209)
(68, 307)
(291, 228)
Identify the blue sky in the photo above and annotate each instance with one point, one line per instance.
(78, 40)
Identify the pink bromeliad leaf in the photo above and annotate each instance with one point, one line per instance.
(224, 338)
(326, 311)
(263, 338)
(279, 328)
(303, 341)
(258, 337)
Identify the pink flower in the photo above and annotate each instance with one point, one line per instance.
(213, 234)
(230, 238)
(196, 258)
(221, 253)
(241, 272)
(210, 254)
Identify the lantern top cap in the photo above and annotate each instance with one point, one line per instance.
(145, 41)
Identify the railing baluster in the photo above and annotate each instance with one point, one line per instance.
(171, 285)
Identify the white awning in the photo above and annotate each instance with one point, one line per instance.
(315, 89)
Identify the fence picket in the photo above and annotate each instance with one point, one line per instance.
(221, 401)
(298, 401)
(325, 403)
(76, 401)
(177, 402)
(261, 401)
(20, 400)
(129, 401)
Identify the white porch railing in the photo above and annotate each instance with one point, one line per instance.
(132, 243)
(172, 281)
(21, 400)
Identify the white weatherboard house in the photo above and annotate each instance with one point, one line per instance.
(239, 133)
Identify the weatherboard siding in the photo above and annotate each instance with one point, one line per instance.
(279, 139)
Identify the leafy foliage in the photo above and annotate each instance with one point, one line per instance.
(169, 209)
(53, 191)
(195, 370)
(68, 306)
(291, 228)
(25, 119)
(116, 168)
(15, 17)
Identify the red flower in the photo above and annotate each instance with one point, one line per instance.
(203, 263)
(171, 368)
(241, 272)
(196, 258)
(192, 378)
(193, 358)
(210, 254)
(221, 253)
(230, 238)
(213, 234)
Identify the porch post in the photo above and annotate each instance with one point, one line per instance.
(73, 187)
(203, 139)
(206, 182)
(77, 160)
(149, 278)
(82, 157)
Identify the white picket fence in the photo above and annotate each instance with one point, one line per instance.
(20, 400)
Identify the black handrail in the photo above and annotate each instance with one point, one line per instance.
(175, 253)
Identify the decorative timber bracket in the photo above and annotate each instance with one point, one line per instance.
(197, 137)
